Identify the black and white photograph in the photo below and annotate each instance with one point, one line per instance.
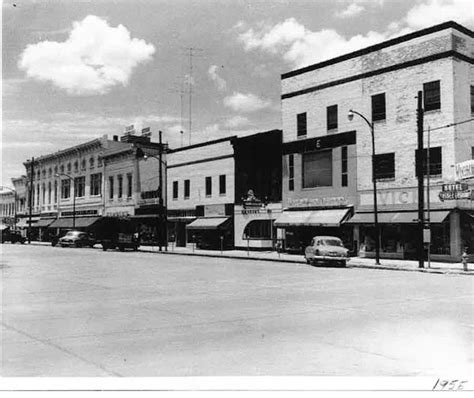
(237, 196)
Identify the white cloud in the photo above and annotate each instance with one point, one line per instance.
(432, 12)
(236, 121)
(299, 46)
(94, 58)
(219, 81)
(245, 103)
(351, 10)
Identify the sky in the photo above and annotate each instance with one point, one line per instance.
(75, 70)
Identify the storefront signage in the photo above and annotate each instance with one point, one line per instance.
(464, 170)
(78, 213)
(214, 210)
(455, 191)
(324, 142)
(118, 214)
(313, 202)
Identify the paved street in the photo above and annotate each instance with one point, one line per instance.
(84, 312)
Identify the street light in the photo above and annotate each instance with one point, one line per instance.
(73, 198)
(162, 209)
(15, 198)
(350, 116)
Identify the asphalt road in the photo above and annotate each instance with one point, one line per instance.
(84, 312)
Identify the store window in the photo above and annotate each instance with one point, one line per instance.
(435, 161)
(208, 186)
(175, 189)
(96, 184)
(301, 127)
(331, 117)
(187, 188)
(258, 229)
(291, 172)
(378, 107)
(431, 96)
(344, 172)
(384, 166)
(440, 238)
(317, 169)
(80, 186)
(222, 185)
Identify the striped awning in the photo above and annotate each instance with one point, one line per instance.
(208, 223)
(409, 217)
(80, 222)
(312, 218)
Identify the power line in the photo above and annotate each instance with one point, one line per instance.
(450, 125)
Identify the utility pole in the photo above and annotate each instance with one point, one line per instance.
(160, 218)
(30, 201)
(420, 160)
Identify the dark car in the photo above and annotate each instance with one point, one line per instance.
(76, 239)
(12, 236)
(117, 233)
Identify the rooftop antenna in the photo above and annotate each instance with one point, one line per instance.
(192, 53)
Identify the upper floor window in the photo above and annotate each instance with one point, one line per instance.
(65, 188)
(96, 184)
(55, 170)
(38, 174)
(69, 167)
(187, 188)
(44, 173)
(120, 185)
(83, 164)
(208, 186)
(344, 170)
(175, 189)
(222, 185)
(331, 117)
(80, 186)
(111, 187)
(99, 161)
(431, 96)
(291, 172)
(378, 107)
(472, 99)
(129, 185)
(317, 169)
(50, 172)
(435, 161)
(384, 165)
(76, 166)
(61, 168)
(301, 127)
(91, 163)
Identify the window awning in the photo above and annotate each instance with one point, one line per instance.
(410, 217)
(326, 218)
(44, 222)
(81, 222)
(208, 223)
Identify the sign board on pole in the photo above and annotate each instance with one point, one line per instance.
(426, 235)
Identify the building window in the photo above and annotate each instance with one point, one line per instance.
(49, 192)
(61, 169)
(472, 152)
(378, 107)
(65, 189)
(44, 173)
(69, 167)
(120, 185)
(317, 169)
(175, 189)
(187, 188)
(96, 184)
(129, 185)
(291, 172)
(44, 193)
(111, 187)
(301, 124)
(91, 163)
(50, 172)
(431, 96)
(344, 177)
(208, 186)
(83, 164)
(222, 185)
(99, 162)
(435, 164)
(55, 191)
(258, 229)
(472, 99)
(331, 117)
(55, 170)
(384, 165)
(80, 187)
(76, 166)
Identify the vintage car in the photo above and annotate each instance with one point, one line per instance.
(12, 236)
(326, 250)
(117, 233)
(76, 239)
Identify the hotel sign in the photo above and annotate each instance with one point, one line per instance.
(464, 170)
(455, 191)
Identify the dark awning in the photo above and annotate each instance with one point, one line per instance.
(81, 222)
(208, 223)
(410, 217)
(325, 217)
(44, 222)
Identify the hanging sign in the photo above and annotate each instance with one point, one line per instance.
(464, 170)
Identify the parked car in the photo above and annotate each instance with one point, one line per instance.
(117, 233)
(76, 239)
(12, 236)
(326, 250)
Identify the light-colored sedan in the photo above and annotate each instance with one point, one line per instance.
(76, 239)
(326, 250)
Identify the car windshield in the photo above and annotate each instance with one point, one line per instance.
(331, 242)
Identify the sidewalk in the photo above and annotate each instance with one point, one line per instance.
(355, 262)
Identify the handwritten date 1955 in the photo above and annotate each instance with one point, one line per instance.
(446, 385)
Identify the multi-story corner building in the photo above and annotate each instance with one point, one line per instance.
(327, 158)
(7, 208)
(132, 183)
(67, 186)
(201, 194)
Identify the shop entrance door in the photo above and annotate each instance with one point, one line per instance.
(181, 234)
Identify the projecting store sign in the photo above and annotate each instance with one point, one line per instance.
(464, 170)
(455, 191)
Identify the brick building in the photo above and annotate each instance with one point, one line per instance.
(327, 158)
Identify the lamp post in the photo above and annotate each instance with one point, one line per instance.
(350, 116)
(15, 199)
(73, 198)
(162, 208)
